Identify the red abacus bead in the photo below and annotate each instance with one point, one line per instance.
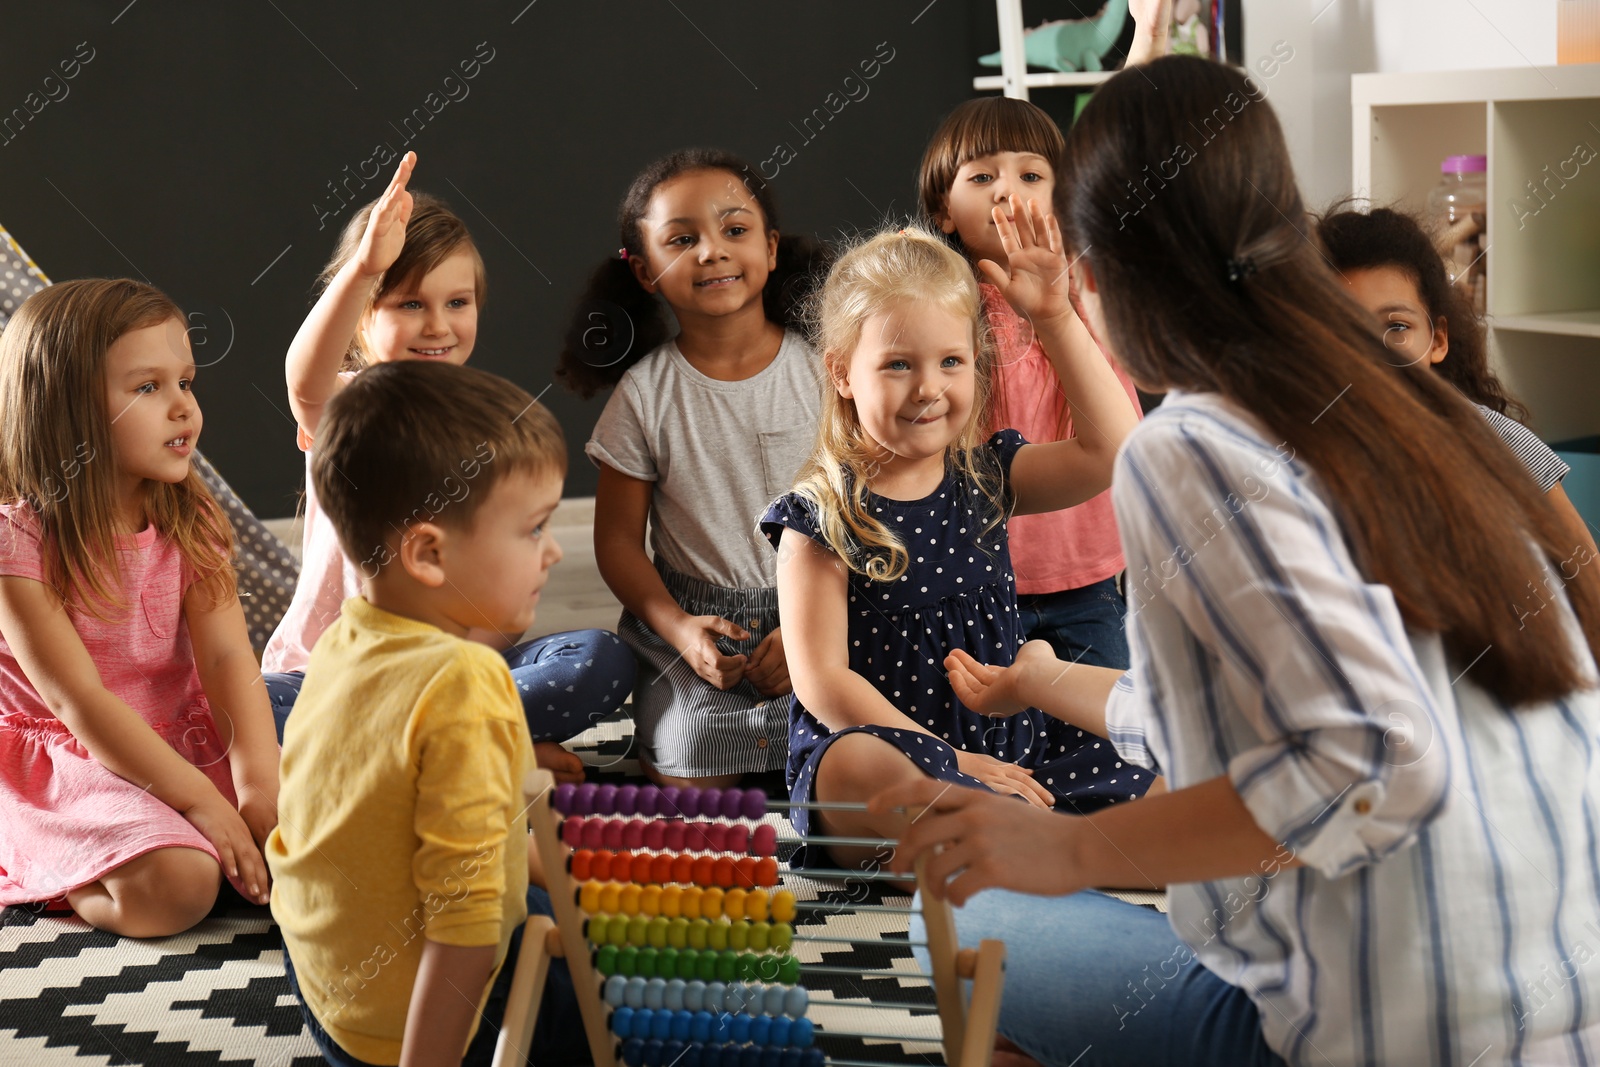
(682, 868)
(572, 831)
(717, 836)
(601, 867)
(696, 839)
(661, 868)
(704, 871)
(655, 835)
(594, 833)
(766, 872)
(723, 872)
(676, 834)
(582, 865)
(633, 833)
(744, 872)
(736, 838)
(641, 869)
(764, 842)
(613, 833)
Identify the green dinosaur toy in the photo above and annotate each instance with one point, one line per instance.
(1071, 44)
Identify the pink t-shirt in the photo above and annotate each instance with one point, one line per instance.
(1057, 550)
(65, 819)
(327, 580)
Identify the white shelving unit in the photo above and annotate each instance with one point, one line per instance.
(1014, 79)
(1534, 124)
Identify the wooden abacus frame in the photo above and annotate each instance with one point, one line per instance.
(967, 1027)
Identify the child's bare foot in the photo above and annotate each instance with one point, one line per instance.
(558, 761)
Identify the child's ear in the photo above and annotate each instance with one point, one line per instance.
(422, 553)
(641, 271)
(942, 219)
(836, 375)
(1441, 340)
(772, 250)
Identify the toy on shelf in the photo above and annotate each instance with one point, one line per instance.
(1071, 44)
(678, 935)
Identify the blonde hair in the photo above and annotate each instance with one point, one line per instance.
(909, 266)
(433, 235)
(55, 444)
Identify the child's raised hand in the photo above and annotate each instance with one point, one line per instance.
(225, 828)
(768, 669)
(565, 766)
(1034, 278)
(699, 647)
(1005, 777)
(386, 228)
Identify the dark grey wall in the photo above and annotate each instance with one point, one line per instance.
(196, 148)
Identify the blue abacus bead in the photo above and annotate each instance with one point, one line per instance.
(655, 994)
(732, 803)
(750, 1056)
(622, 1022)
(661, 1025)
(633, 1052)
(583, 799)
(715, 992)
(649, 800)
(772, 999)
(700, 1025)
(755, 999)
(668, 804)
(803, 1033)
(795, 1002)
(754, 804)
(813, 1057)
(633, 993)
(760, 1029)
(791, 1056)
(674, 994)
(694, 995)
(779, 1032)
(719, 1028)
(690, 1056)
(561, 800)
(710, 1055)
(682, 1025)
(628, 800)
(672, 1052)
(615, 985)
(605, 800)
(733, 997)
(772, 1056)
(640, 1026)
(710, 803)
(739, 1027)
(652, 1053)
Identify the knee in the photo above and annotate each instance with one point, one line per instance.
(173, 889)
(859, 764)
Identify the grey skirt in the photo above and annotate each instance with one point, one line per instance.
(687, 727)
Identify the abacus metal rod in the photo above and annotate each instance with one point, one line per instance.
(880, 909)
(839, 874)
(867, 1035)
(876, 1005)
(860, 941)
(817, 968)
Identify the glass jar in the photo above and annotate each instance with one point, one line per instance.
(1456, 208)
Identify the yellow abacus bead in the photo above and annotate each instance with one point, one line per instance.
(760, 936)
(637, 931)
(739, 936)
(658, 932)
(711, 902)
(698, 930)
(610, 897)
(783, 906)
(733, 903)
(650, 900)
(678, 932)
(630, 899)
(617, 931)
(589, 897)
(756, 903)
(595, 929)
(717, 936)
(782, 937)
(672, 902)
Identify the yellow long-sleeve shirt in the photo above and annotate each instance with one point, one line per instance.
(400, 818)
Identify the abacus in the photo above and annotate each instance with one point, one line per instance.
(670, 915)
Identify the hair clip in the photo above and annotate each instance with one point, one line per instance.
(1241, 268)
(622, 254)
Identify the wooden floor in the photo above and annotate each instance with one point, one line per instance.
(575, 599)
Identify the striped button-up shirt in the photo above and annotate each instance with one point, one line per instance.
(1448, 908)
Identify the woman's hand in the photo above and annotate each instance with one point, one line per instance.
(230, 835)
(1034, 278)
(973, 840)
(1005, 778)
(996, 691)
(768, 670)
(698, 642)
(386, 228)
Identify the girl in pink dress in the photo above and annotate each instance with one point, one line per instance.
(138, 764)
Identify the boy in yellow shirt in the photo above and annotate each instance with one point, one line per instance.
(401, 859)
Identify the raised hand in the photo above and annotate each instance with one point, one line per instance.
(699, 647)
(1034, 278)
(386, 228)
(1005, 777)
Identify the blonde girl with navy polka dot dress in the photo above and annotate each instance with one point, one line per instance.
(901, 513)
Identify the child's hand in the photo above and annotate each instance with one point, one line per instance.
(700, 651)
(386, 229)
(559, 762)
(986, 689)
(225, 828)
(1005, 777)
(258, 807)
(768, 669)
(1034, 278)
(1152, 25)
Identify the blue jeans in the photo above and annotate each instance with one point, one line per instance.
(558, 1036)
(1091, 980)
(567, 681)
(1082, 625)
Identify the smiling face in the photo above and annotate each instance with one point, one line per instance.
(913, 380)
(707, 246)
(984, 183)
(1391, 296)
(495, 569)
(436, 319)
(155, 420)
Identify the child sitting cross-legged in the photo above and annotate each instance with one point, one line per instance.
(401, 860)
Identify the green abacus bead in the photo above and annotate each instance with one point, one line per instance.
(636, 929)
(617, 931)
(658, 932)
(782, 937)
(727, 966)
(760, 936)
(705, 968)
(699, 930)
(739, 936)
(789, 970)
(667, 963)
(749, 966)
(628, 961)
(605, 961)
(678, 932)
(717, 936)
(647, 963)
(688, 962)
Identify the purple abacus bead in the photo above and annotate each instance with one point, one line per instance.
(649, 800)
(764, 841)
(755, 804)
(633, 834)
(594, 833)
(605, 800)
(572, 832)
(735, 838)
(676, 832)
(655, 835)
(583, 799)
(732, 803)
(689, 802)
(561, 800)
(628, 800)
(710, 803)
(668, 804)
(613, 834)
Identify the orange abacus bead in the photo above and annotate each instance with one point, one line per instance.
(641, 869)
(744, 871)
(621, 865)
(704, 870)
(581, 865)
(661, 868)
(723, 871)
(602, 865)
(766, 872)
(672, 903)
(682, 868)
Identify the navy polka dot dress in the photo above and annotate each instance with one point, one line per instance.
(958, 592)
